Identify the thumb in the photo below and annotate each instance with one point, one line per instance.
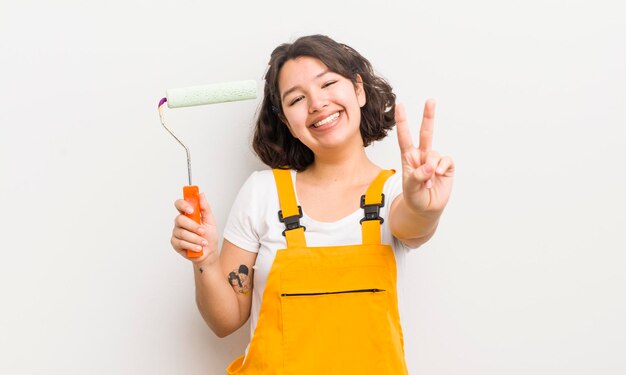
(205, 211)
(422, 174)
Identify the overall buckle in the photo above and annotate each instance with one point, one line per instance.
(372, 211)
(291, 222)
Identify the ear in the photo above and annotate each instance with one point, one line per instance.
(360, 91)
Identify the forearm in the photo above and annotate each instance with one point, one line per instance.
(411, 227)
(216, 299)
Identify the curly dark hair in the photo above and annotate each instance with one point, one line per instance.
(273, 142)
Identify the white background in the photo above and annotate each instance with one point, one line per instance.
(525, 275)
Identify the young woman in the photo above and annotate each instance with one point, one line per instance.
(322, 236)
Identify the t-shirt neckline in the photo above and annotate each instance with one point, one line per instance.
(350, 217)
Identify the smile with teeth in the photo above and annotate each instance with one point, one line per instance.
(325, 121)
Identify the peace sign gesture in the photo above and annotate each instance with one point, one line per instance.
(426, 176)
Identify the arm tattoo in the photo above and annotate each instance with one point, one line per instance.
(239, 279)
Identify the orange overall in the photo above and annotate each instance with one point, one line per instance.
(328, 310)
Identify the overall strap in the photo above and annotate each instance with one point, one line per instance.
(290, 213)
(371, 203)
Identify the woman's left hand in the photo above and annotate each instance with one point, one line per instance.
(426, 175)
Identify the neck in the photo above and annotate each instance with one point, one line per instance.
(350, 166)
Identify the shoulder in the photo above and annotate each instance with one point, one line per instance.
(393, 186)
(258, 183)
(257, 194)
(256, 201)
(391, 190)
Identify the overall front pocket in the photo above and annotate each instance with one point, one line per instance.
(337, 332)
(327, 293)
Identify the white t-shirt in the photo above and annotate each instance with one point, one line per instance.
(253, 225)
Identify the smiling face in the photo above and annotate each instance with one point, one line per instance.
(321, 108)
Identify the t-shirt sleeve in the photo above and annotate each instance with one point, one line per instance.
(241, 226)
(393, 188)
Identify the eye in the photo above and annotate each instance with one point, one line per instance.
(328, 84)
(297, 99)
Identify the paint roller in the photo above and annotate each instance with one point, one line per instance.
(202, 95)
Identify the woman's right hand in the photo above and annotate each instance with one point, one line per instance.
(189, 235)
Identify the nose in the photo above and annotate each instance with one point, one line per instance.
(317, 101)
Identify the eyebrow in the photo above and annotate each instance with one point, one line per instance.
(297, 87)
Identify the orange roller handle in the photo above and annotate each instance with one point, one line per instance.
(192, 196)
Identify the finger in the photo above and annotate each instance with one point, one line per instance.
(404, 135)
(183, 206)
(428, 123)
(182, 246)
(432, 158)
(188, 224)
(189, 237)
(446, 166)
(422, 174)
(206, 212)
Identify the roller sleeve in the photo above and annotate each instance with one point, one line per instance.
(211, 94)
